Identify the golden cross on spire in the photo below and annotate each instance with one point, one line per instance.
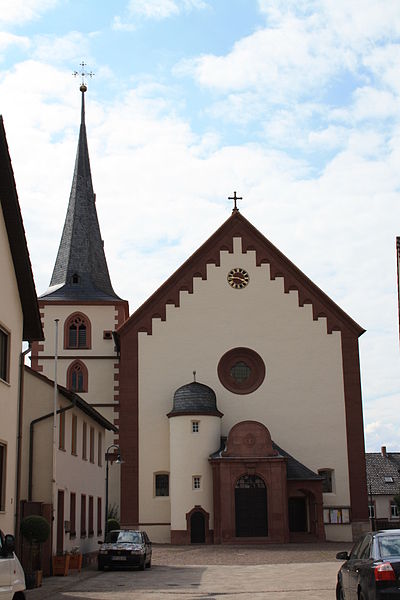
(83, 74)
(234, 198)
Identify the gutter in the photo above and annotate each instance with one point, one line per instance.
(19, 442)
(31, 432)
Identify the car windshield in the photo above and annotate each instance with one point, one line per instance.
(389, 545)
(130, 537)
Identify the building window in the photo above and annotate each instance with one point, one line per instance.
(77, 377)
(3, 457)
(195, 426)
(327, 483)
(77, 332)
(371, 511)
(394, 510)
(241, 370)
(99, 517)
(162, 484)
(83, 515)
(91, 527)
(196, 482)
(84, 441)
(100, 449)
(4, 354)
(74, 430)
(61, 431)
(72, 515)
(91, 446)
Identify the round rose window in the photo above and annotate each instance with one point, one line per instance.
(241, 370)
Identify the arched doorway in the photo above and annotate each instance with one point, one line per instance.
(251, 514)
(197, 528)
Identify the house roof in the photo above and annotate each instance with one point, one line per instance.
(32, 327)
(80, 403)
(80, 271)
(252, 240)
(381, 465)
(295, 470)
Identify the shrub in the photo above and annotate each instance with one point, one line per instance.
(112, 524)
(35, 529)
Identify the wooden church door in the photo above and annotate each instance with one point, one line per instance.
(251, 513)
(197, 528)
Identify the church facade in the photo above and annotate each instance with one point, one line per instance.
(235, 386)
(265, 441)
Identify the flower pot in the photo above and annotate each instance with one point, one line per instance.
(75, 561)
(61, 564)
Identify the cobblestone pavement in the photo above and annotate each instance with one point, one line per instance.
(295, 572)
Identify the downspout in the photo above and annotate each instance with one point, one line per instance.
(19, 442)
(31, 426)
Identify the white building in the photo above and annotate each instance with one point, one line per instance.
(78, 491)
(19, 320)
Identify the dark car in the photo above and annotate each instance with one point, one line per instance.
(372, 569)
(125, 548)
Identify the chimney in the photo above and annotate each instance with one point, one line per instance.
(383, 451)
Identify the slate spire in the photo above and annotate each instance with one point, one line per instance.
(80, 271)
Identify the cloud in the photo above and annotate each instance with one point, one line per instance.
(21, 11)
(9, 39)
(67, 48)
(154, 9)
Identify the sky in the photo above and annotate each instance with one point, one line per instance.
(294, 104)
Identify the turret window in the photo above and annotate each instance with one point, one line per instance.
(77, 377)
(195, 426)
(161, 484)
(77, 332)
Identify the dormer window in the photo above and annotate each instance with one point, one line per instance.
(77, 332)
(75, 278)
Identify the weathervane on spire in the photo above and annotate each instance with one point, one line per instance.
(234, 198)
(83, 74)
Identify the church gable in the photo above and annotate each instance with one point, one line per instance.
(266, 253)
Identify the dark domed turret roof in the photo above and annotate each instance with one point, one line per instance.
(194, 399)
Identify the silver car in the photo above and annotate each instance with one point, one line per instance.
(125, 548)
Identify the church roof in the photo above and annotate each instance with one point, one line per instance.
(32, 327)
(194, 398)
(295, 470)
(252, 239)
(80, 271)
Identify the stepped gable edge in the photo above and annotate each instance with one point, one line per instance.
(266, 253)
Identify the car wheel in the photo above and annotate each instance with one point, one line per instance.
(141, 565)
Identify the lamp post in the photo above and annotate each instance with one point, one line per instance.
(118, 461)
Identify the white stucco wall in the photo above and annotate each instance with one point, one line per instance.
(301, 400)
(73, 473)
(11, 320)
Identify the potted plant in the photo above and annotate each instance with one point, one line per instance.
(60, 563)
(36, 530)
(75, 559)
(111, 525)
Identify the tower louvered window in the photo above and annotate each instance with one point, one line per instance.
(77, 377)
(77, 332)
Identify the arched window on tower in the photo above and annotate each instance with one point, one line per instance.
(77, 377)
(77, 332)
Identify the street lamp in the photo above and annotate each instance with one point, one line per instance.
(118, 461)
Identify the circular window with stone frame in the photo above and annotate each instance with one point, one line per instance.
(241, 370)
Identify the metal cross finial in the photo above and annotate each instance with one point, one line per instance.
(83, 74)
(194, 375)
(234, 198)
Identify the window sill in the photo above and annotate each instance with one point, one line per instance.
(7, 383)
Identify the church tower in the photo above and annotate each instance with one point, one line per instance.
(82, 298)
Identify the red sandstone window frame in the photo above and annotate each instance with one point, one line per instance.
(74, 435)
(78, 368)
(91, 445)
(83, 515)
(74, 319)
(84, 441)
(99, 449)
(251, 359)
(61, 431)
(5, 344)
(3, 471)
(91, 519)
